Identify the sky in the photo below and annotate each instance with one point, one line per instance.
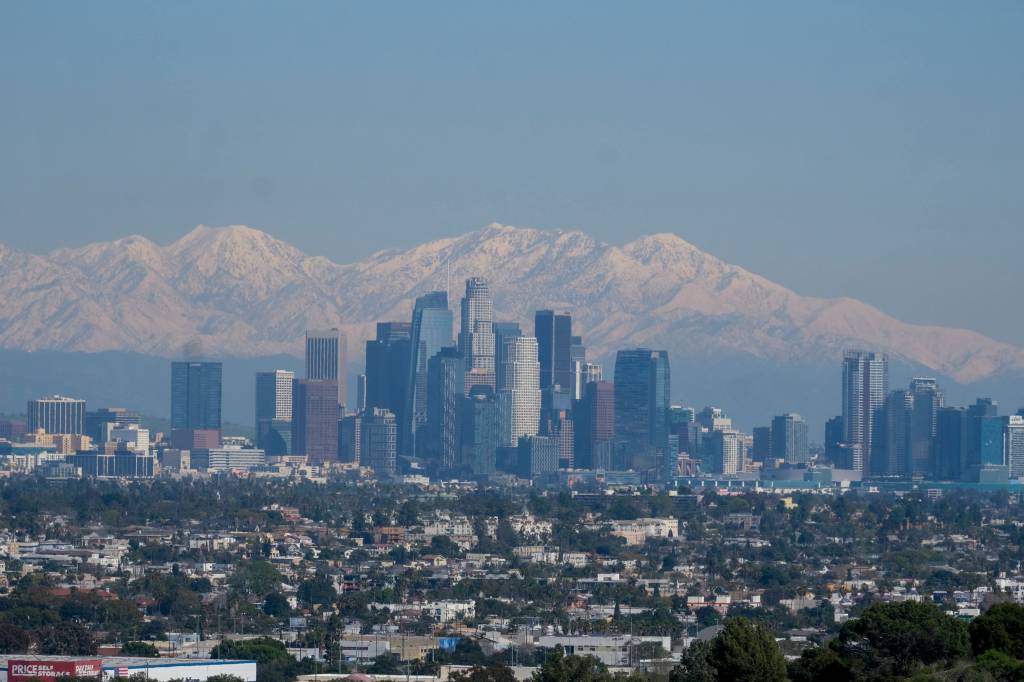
(870, 149)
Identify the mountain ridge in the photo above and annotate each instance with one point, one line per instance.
(239, 290)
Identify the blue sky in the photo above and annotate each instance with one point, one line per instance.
(869, 149)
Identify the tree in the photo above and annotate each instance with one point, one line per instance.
(694, 665)
(745, 651)
(256, 578)
(491, 673)
(892, 640)
(13, 640)
(276, 605)
(140, 649)
(560, 668)
(408, 514)
(273, 662)
(317, 590)
(65, 639)
(820, 664)
(1000, 628)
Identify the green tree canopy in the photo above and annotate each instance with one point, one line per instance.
(746, 651)
(1000, 628)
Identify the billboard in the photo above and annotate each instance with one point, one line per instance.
(25, 669)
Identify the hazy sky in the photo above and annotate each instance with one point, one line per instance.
(868, 149)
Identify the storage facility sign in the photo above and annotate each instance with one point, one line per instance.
(23, 670)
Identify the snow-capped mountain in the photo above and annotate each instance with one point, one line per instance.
(241, 292)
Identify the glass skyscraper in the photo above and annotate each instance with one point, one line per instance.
(642, 402)
(274, 411)
(476, 335)
(865, 387)
(431, 331)
(326, 352)
(554, 348)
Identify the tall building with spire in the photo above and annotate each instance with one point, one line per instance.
(476, 334)
(865, 388)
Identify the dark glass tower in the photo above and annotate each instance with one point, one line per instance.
(554, 348)
(387, 371)
(950, 443)
(431, 331)
(315, 415)
(445, 386)
(642, 402)
(196, 399)
(274, 412)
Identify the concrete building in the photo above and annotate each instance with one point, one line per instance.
(56, 414)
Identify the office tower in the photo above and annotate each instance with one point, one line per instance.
(12, 429)
(519, 395)
(431, 331)
(577, 351)
(594, 424)
(726, 456)
(642, 400)
(502, 331)
(445, 391)
(315, 415)
(1013, 435)
(985, 442)
(789, 438)
(195, 404)
(761, 448)
(891, 440)
(480, 431)
(350, 444)
(96, 420)
(556, 421)
(833, 438)
(554, 347)
(326, 354)
(865, 387)
(927, 401)
(360, 392)
(714, 419)
(380, 441)
(950, 443)
(538, 455)
(56, 414)
(583, 374)
(388, 374)
(274, 412)
(476, 334)
(131, 436)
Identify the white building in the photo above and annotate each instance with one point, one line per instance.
(519, 395)
(134, 437)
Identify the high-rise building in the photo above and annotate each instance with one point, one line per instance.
(761, 445)
(480, 431)
(431, 331)
(554, 348)
(726, 453)
(892, 440)
(577, 351)
(865, 387)
(928, 399)
(502, 331)
(538, 455)
(950, 443)
(833, 437)
(714, 419)
(57, 414)
(274, 412)
(476, 334)
(594, 424)
(556, 420)
(96, 420)
(445, 392)
(519, 396)
(380, 441)
(585, 373)
(360, 392)
(388, 374)
(326, 354)
(789, 438)
(315, 415)
(350, 443)
(1013, 435)
(196, 403)
(985, 455)
(642, 401)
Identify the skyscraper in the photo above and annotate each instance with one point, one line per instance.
(1013, 433)
(431, 331)
(928, 399)
(326, 353)
(57, 414)
(789, 438)
(445, 392)
(865, 387)
(642, 401)
(97, 420)
(985, 441)
(892, 439)
(583, 374)
(519, 396)
(380, 441)
(274, 412)
(726, 455)
(387, 372)
(315, 415)
(554, 348)
(480, 431)
(350, 443)
(502, 331)
(950, 443)
(476, 335)
(594, 424)
(196, 404)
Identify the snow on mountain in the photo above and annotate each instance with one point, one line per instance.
(241, 292)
